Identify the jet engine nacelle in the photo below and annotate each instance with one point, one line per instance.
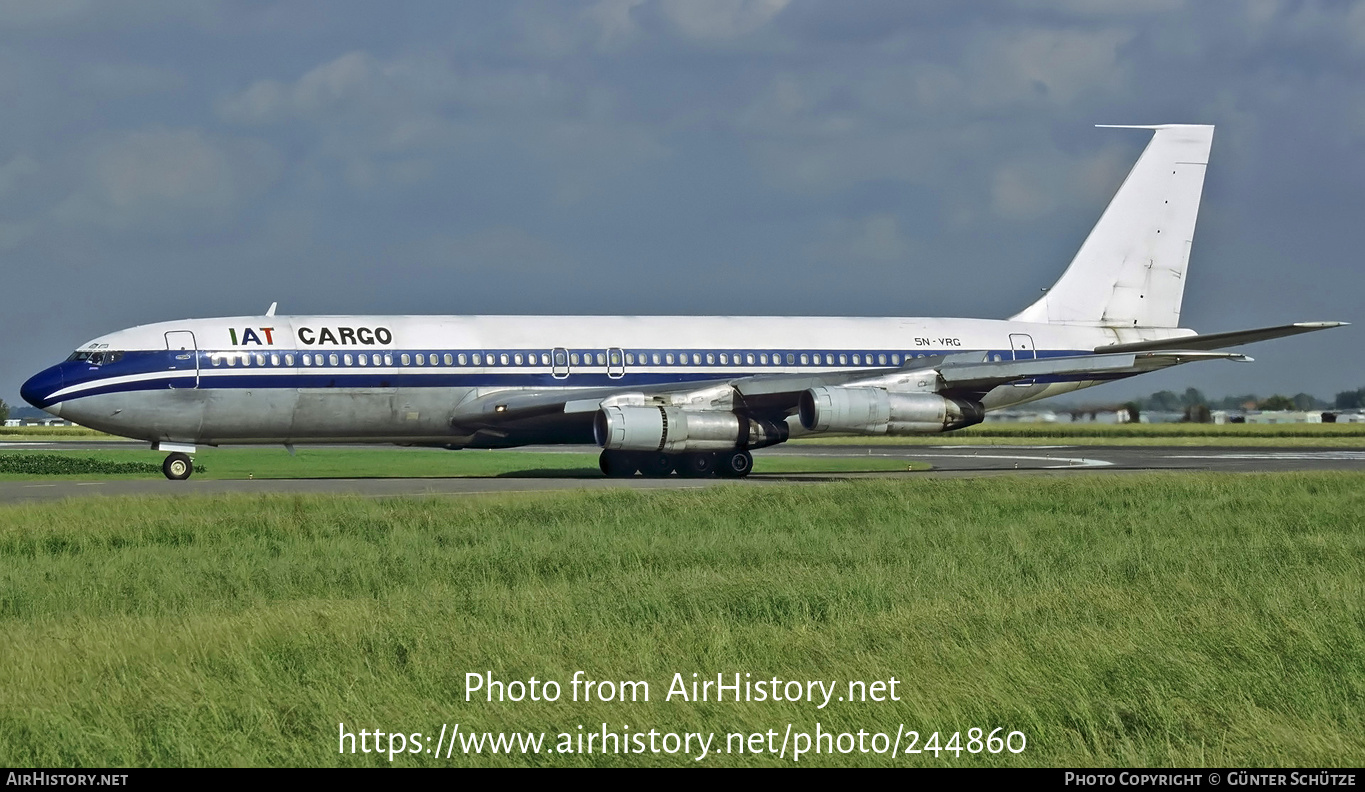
(671, 430)
(875, 411)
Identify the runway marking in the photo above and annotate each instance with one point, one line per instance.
(1069, 461)
(1330, 456)
(997, 445)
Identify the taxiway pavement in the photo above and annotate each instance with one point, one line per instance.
(948, 460)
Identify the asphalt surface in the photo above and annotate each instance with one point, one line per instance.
(948, 460)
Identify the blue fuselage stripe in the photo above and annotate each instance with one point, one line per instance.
(157, 370)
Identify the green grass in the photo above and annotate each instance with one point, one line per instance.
(48, 434)
(1302, 435)
(382, 462)
(1150, 619)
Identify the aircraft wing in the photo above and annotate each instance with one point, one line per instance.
(1222, 340)
(500, 413)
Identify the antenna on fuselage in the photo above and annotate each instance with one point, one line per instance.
(271, 310)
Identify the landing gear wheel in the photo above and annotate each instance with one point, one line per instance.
(615, 464)
(656, 465)
(177, 467)
(735, 464)
(697, 465)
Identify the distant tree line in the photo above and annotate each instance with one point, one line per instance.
(1350, 400)
(1198, 408)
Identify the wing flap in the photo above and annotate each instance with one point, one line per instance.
(984, 376)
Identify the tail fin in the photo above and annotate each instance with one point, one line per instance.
(1131, 269)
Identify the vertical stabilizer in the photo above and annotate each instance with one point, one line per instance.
(1130, 272)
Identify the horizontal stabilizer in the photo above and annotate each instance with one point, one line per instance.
(1221, 340)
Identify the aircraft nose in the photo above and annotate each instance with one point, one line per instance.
(40, 387)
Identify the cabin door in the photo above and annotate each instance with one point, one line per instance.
(1022, 344)
(184, 359)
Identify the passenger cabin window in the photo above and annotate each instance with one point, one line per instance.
(388, 360)
(517, 358)
(477, 358)
(895, 360)
(843, 360)
(376, 359)
(288, 360)
(404, 357)
(763, 358)
(857, 360)
(573, 359)
(668, 358)
(656, 358)
(502, 359)
(724, 359)
(421, 359)
(363, 360)
(274, 360)
(696, 359)
(449, 359)
(347, 359)
(462, 358)
(710, 359)
(630, 358)
(232, 360)
(749, 358)
(332, 359)
(804, 358)
(791, 359)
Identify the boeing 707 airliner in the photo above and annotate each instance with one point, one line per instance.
(661, 394)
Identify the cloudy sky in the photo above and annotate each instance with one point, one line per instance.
(191, 158)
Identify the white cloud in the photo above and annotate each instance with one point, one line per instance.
(14, 172)
(1051, 180)
(500, 249)
(168, 180)
(874, 238)
(1050, 66)
(720, 19)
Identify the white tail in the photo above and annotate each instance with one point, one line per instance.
(1130, 272)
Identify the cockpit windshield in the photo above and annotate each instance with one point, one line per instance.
(97, 357)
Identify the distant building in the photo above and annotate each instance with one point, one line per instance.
(38, 422)
(1023, 416)
(1283, 416)
(1160, 417)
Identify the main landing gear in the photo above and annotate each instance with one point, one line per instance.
(728, 464)
(177, 466)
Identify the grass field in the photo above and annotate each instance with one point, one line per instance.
(1150, 619)
(381, 462)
